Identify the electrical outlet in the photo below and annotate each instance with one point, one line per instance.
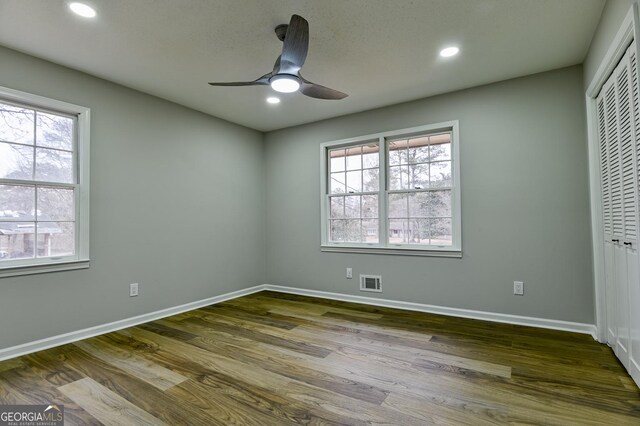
(518, 288)
(133, 289)
(349, 273)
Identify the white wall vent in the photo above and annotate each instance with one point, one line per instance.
(371, 283)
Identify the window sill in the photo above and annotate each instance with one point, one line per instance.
(14, 271)
(404, 251)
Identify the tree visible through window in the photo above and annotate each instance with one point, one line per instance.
(39, 184)
(420, 189)
(354, 185)
(404, 195)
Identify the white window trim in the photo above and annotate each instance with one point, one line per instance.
(81, 259)
(455, 250)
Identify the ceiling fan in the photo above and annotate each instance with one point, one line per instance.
(286, 77)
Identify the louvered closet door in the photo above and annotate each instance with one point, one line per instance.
(633, 259)
(618, 124)
(607, 128)
(623, 202)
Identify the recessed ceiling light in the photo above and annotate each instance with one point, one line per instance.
(273, 100)
(449, 52)
(83, 10)
(285, 83)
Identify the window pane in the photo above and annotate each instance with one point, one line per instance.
(337, 183)
(371, 156)
(353, 231)
(16, 161)
(54, 131)
(16, 240)
(370, 206)
(336, 163)
(346, 230)
(16, 124)
(17, 201)
(397, 152)
(419, 204)
(398, 230)
(398, 177)
(337, 230)
(56, 204)
(440, 205)
(370, 180)
(54, 166)
(354, 158)
(354, 181)
(440, 174)
(441, 232)
(440, 147)
(352, 206)
(420, 231)
(419, 150)
(419, 176)
(370, 230)
(398, 205)
(337, 207)
(56, 239)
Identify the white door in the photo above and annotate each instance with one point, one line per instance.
(633, 259)
(618, 120)
(605, 111)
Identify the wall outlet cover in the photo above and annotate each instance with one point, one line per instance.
(518, 288)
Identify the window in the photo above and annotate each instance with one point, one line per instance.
(44, 183)
(395, 192)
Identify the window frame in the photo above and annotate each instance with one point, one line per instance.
(383, 247)
(81, 156)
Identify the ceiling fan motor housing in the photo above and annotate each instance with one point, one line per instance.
(281, 31)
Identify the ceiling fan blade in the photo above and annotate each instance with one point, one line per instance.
(276, 66)
(320, 92)
(262, 81)
(295, 47)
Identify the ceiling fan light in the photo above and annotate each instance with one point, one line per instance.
(285, 83)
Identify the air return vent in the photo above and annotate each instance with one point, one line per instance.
(371, 283)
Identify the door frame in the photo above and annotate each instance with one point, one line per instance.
(629, 30)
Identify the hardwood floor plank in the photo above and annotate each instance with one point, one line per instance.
(155, 375)
(243, 395)
(224, 407)
(106, 406)
(11, 364)
(141, 394)
(163, 330)
(310, 307)
(26, 387)
(259, 334)
(258, 318)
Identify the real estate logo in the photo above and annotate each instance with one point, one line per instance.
(31, 415)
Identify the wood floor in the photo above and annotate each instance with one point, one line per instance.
(271, 359)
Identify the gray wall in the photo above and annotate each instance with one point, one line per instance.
(610, 21)
(525, 207)
(176, 205)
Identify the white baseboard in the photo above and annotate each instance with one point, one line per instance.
(74, 336)
(634, 371)
(442, 310)
(86, 333)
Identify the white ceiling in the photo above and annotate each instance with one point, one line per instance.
(380, 52)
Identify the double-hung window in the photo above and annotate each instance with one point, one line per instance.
(44, 184)
(395, 192)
